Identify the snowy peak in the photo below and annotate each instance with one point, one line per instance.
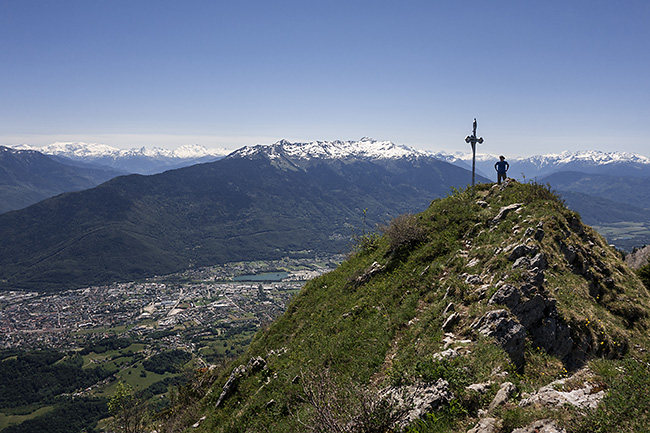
(366, 148)
(142, 160)
(80, 150)
(591, 157)
(590, 161)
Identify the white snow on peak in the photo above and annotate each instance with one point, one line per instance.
(82, 150)
(364, 148)
(596, 157)
(592, 157)
(79, 150)
(198, 151)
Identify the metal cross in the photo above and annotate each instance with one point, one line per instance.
(473, 140)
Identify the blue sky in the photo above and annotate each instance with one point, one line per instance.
(540, 76)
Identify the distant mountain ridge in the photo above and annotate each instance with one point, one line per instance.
(263, 202)
(140, 160)
(608, 187)
(28, 176)
(591, 161)
(366, 148)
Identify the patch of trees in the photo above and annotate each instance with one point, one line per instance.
(107, 344)
(6, 353)
(156, 335)
(80, 415)
(162, 386)
(37, 377)
(170, 361)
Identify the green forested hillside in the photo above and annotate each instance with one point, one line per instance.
(478, 302)
(630, 189)
(231, 210)
(27, 177)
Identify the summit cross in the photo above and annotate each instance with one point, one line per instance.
(472, 139)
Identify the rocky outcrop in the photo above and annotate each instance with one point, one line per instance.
(638, 258)
(421, 399)
(373, 270)
(487, 425)
(538, 314)
(532, 306)
(585, 396)
(503, 395)
(541, 426)
(254, 365)
(450, 321)
(503, 213)
(506, 331)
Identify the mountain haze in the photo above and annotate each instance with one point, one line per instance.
(259, 203)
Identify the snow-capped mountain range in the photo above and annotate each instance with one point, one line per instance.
(98, 150)
(147, 161)
(566, 157)
(589, 161)
(137, 160)
(366, 148)
(611, 163)
(374, 149)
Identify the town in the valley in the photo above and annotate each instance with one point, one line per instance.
(192, 310)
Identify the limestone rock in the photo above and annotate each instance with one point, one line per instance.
(521, 262)
(198, 423)
(451, 321)
(521, 250)
(586, 397)
(486, 425)
(638, 258)
(541, 426)
(503, 395)
(373, 270)
(449, 309)
(481, 388)
(539, 261)
(254, 364)
(538, 314)
(231, 384)
(421, 399)
(504, 211)
(506, 330)
(447, 354)
(507, 295)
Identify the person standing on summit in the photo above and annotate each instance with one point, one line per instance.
(501, 167)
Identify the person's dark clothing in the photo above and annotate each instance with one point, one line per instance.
(501, 167)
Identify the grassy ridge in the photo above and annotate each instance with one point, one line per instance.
(376, 320)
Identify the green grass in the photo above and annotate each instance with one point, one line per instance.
(626, 406)
(115, 356)
(376, 320)
(7, 420)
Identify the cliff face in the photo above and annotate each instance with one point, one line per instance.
(493, 302)
(638, 258)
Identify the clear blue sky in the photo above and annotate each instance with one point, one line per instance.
(540, 76)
